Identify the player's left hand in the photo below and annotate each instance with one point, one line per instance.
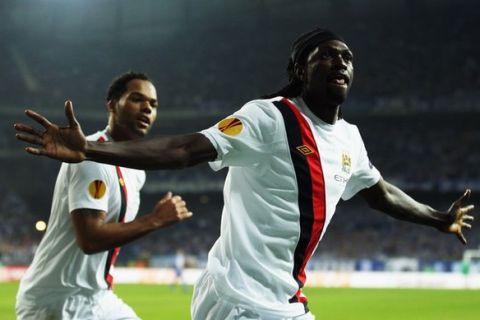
(169, 210)
(460, 217)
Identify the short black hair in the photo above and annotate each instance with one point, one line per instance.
(119, 84)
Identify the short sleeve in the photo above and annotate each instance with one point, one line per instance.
(89, 186)
(364, 175)
(246, 137)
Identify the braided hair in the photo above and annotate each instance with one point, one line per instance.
(300, 50)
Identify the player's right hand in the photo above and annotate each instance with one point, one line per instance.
(67, 144)
(170, 209)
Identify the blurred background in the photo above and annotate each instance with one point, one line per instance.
(415, 99)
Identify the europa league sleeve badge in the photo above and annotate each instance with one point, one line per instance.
(97, 189)
(230, 126)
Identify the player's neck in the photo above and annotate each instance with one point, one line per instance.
(117, 134)
(326, 111)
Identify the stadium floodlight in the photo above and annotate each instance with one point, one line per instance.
(40, 225)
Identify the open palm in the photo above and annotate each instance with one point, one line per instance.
(67, 144)
(460, 217)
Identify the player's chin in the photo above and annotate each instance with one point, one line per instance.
(141, 132)
(337, 98)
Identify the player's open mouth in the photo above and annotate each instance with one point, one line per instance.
(338, 79)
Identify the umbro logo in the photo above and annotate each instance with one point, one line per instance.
(305, 150)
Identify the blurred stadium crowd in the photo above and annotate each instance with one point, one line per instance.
(415, 99)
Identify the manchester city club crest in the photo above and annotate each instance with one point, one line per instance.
(346, 162)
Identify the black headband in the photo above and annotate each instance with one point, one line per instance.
(310, 40)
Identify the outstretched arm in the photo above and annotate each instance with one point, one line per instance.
(94, 235)
(161, 152)
(391, 200)
(68, 144)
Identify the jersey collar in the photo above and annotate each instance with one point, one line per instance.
(105, 133)
(302, 106)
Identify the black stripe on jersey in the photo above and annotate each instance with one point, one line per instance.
(304, 183)
(123, 212)
(123, 193)
(108, 265)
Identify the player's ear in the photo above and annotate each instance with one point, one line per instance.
(299, 71)
(112, 106)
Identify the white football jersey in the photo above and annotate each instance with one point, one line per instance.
(59, 264)
(287, 171)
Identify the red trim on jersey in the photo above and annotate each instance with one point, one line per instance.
(113, 254)
(299, 297)
(121, 218)
(318, 190)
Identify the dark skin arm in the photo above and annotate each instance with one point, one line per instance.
(161, 152)
(95, 235)
(69, 144)
(389, 199)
